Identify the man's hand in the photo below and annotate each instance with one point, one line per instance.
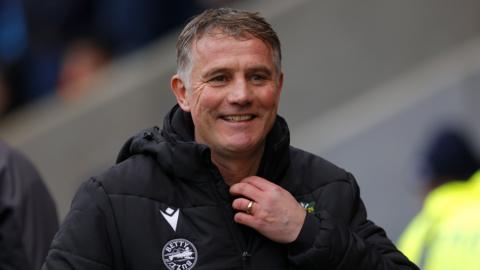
(274, 213)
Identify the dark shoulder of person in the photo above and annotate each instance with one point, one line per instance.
(28, 217)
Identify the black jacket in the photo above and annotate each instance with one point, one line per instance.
(166, 206)
(28, 217)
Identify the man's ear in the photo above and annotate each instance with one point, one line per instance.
(280, 82)
(180, 91)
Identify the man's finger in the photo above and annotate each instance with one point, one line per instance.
(245, 205)
(245, 219)
(246, 190)
(260, 183)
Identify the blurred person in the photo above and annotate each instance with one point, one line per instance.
(118, 27)
(220, 187)
(13, 43)
(13, 37)
(436, 232)
(454, 242)
(82, 60)
(36, 39)
(54, 46)
(28, 217)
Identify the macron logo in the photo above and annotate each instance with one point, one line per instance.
(171, 216)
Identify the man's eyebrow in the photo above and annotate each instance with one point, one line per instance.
(214, 71)
(262, 69)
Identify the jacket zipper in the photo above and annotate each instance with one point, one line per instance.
(228, 216)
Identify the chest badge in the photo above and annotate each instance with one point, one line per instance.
(309, 206)
(179, 254)
(171, 216)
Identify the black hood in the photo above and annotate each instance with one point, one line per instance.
(174, 147)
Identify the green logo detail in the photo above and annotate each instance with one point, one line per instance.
(310, 206)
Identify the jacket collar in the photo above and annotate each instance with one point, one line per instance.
(179, 129)
(175, 149)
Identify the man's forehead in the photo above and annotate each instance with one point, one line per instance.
(219, 36)
(216, 42)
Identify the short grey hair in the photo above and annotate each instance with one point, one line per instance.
(231, 22)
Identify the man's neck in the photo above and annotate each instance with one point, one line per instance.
(234, 170)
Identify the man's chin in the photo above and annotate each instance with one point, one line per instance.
(244, 148)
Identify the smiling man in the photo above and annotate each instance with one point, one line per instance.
(232, 93)
(220, 187)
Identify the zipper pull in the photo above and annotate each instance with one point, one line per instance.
(246, 255)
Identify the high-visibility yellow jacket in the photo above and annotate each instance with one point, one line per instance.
(446, 233)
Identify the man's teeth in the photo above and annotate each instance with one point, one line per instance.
(238, 118)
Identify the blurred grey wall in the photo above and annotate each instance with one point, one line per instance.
(381, 136)
(335, 53)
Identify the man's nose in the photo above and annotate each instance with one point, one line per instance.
(240, 93)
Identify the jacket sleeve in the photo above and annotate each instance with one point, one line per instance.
(330, 241)
(84, 240)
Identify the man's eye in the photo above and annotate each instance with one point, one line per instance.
(218, 79)
(256, 78)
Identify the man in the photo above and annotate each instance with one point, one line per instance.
(443, 235)
(220, 187)
(28, 218)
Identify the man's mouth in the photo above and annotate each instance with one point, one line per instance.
(238, 118)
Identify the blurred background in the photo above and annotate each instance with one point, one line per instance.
(367, 83)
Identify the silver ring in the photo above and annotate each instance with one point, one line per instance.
(249, 208)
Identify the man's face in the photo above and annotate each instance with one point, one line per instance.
(233, 93)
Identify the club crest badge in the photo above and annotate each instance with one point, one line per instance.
(179, 254)
(309, 206)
